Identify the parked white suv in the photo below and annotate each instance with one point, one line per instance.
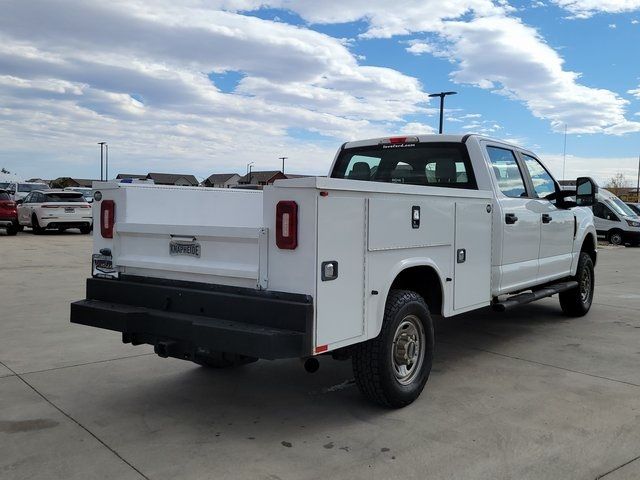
(353, 265)
(55, 209)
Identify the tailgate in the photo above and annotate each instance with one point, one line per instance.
(187, 233)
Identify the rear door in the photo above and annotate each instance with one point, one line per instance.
(518, 220)
(556, 224)
(24, 210)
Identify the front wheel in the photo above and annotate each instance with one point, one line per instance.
(615, 237)
(393, 368)
(12, 230)
(577, 302)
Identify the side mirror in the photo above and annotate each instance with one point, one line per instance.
(586, 190)
(19, 202)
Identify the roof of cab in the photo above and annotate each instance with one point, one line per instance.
(424, 139)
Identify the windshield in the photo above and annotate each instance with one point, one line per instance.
(64, 197)
(27, 187)
(428, 164)
(4, 196)
(621, 208)
(4, 185)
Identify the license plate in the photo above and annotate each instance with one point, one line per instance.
(103, 267)
(69, 210)
(190, 249)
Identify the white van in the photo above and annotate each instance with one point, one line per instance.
(614, 220)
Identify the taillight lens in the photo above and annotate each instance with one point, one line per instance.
(107, 218)
(287, 225)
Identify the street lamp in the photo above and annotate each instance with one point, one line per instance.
(283, 159)
(442, 95)
(102, 144)
(249, 170)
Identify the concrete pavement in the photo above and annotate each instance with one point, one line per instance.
(526, 394)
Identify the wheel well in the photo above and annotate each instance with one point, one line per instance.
(424, 281)
(589, 246)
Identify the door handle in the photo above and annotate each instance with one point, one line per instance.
(546, 218)
(510, 218)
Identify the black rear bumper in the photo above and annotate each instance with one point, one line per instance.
(185, 319)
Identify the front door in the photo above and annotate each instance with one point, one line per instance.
(556, 227)
(515, 259)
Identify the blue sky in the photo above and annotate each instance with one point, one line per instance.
(208, 86)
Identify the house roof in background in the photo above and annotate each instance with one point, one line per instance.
(120, 176)
(220, 177)
(171, 178)
(260, 176)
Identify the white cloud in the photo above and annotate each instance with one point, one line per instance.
(613, 26)
(635, 92)
(136, 75)
(491, 50)
(600, 169)
(588, 8)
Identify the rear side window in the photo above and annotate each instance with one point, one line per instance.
(543, 183)
(63, 197)
(600, 210)
(428, 164)
(507, 173)
(4, 196)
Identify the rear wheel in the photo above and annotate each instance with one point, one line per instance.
(577, 302)
(615, 237)
(393, 368)
(35, 225)
(223, 360)
(85, 230)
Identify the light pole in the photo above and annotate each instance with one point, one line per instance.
(106, 162)
(283, 159)
(564, 154)
(102, 144)
(249, 170)
(441, 95)
(638, 182)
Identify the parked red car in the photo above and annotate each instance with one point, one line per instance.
(8, 214)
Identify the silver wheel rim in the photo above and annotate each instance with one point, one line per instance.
(585, 285)
(616, 239)
(407, 352)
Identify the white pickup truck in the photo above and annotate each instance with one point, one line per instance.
(353, 265)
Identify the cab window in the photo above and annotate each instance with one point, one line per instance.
(543, 183)
(600, 210)
(507, 173)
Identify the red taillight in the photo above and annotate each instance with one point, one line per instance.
(51, 206)
(287, 225)
(394, 140)
(107, 218)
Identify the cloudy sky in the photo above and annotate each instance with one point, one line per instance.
(204, 86)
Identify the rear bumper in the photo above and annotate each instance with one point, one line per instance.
(183, 319)
(55, 223)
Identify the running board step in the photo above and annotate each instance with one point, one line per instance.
(529, 297)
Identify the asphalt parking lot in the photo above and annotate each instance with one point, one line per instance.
(526, 394)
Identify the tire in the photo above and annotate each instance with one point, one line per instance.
(223, 360)
(35, 225)
(12, 231)
(615, 237)
(19, 227)
(85, 230)
(379, 365)
(577, 302)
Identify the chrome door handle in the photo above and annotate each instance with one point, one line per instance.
(546, 218)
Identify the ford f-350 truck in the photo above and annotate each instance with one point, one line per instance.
(352, 265)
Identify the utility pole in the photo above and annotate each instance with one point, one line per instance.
(102, 144)
(283, 159)
(564, 154)
(442, 95)
(638, 182)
